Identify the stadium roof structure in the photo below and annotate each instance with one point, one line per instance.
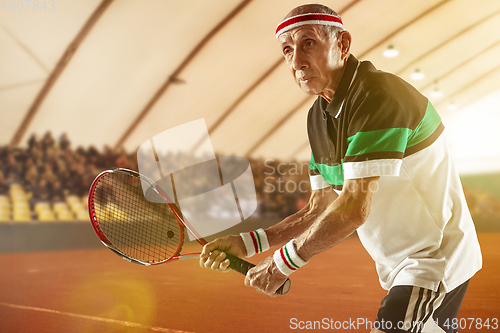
(117, 72)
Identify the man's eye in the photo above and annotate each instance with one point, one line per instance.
(309, 42)
(287, 51)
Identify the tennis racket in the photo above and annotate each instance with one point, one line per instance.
(138, 228)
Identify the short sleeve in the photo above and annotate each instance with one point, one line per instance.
(317, 180)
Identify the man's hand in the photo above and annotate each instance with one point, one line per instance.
(213, 253)
(265, 277)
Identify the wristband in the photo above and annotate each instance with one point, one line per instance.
(255, 241)
(287, 260)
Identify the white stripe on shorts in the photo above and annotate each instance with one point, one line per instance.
(423, 302)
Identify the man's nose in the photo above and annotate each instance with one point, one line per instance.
(299, 61)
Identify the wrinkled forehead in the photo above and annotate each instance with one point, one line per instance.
(308, 19)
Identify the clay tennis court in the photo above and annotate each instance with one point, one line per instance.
(93, 290)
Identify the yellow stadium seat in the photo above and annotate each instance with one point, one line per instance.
(82, 216)
(41, 206)
(22, 216)
(19, 197)
(5, 215)
(65, 215)
(71, 199)
(76, 207)
(75, 203)
(44, 212)
(4, 199)
(4, 205)
(21, 206)
(16, 187)
(60, 206)
(46, 216)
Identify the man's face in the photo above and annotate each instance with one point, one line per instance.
(314, 59)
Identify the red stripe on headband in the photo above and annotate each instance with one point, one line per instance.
(308, 17)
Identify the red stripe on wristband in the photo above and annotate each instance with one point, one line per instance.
(254, 242)
(290, 258)
(286, 262)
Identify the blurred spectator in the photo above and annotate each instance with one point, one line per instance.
(64, 142)
(47, 141)
(4, 185)
(48, 172)
(56, 192)
(31, 176)
(33, 143)
(11, 168)
(122, 161)
(41, 191)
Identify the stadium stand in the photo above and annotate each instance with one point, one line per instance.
(48, 181)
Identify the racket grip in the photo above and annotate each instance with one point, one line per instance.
(242, 266)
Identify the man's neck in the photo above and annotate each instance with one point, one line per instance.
(328, 94)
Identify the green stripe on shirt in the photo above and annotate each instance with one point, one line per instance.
(391, 139)
(426, 127)
(334, 175)
(394, 139)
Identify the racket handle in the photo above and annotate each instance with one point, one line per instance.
(242, 266)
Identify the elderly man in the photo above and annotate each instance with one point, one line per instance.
(380, 145)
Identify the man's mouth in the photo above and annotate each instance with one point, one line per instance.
(304, 79)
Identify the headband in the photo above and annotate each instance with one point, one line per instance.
(311, 18)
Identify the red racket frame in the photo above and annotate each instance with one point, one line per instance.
(180, 220)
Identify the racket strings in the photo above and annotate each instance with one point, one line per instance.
(139, 227)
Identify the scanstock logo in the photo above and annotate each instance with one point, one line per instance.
(214, 193)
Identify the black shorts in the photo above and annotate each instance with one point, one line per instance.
(419, 310)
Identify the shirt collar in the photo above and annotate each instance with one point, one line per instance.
(335, 104)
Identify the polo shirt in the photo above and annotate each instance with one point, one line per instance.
(419, 231)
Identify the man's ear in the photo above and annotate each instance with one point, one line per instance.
(344, 43)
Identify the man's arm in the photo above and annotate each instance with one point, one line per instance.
(340, 219)
(296, 224)
(213, 254)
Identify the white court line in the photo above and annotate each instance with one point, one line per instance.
(105, 320)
